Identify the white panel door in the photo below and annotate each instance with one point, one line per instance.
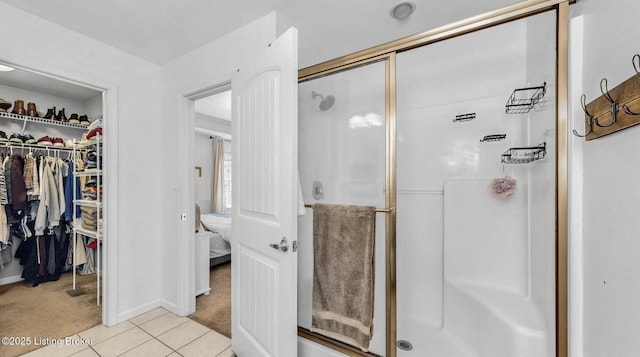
(264, 262)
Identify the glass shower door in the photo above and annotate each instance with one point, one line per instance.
(342, 160)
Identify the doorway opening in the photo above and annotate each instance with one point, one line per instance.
(44, 121)
(212, 158)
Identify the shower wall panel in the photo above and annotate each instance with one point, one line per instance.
(468, 261)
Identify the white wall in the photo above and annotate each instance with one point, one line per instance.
(134, 228)
(210, 65)
(611, 260)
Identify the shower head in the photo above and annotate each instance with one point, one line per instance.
(326, 103)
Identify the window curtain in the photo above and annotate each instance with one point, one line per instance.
(217, 203)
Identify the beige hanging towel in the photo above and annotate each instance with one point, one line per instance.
(343, 273)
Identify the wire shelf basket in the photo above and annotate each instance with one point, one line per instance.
(464, 117)
(522, 100)
(524, 155)
(493, 137)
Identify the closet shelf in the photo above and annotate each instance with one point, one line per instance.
(34, 146)
(88, 172)
(89, 203)
(524, 155)
(86, 143)
(88, 233)
(27, 119)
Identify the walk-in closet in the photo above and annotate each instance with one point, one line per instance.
(51, 221)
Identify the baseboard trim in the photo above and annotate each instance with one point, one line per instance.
(138, 310)
(10, 280)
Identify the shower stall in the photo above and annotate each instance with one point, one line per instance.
(462, 149)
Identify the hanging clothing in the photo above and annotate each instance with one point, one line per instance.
(18, 189)
(6, 166)
(52, 194)
(3, 185)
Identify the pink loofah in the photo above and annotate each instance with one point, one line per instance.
(503, 186)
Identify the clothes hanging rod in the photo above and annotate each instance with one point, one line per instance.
(34, 146)
(385, 210)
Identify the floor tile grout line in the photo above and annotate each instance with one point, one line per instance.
(136, 346)
(118, 334)
(176, 350)
(162, 333)
(166, 312)
(169, 347)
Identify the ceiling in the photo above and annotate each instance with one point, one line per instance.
(161, 30)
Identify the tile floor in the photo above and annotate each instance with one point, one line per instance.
(155, 333)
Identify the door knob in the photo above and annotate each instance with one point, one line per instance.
(283, 246)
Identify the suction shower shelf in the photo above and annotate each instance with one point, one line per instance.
(493, 137)
(524, 155)
(522, 100)
(464, 117)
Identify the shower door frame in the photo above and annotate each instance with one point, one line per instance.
(387, 53)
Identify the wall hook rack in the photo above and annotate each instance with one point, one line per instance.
(605, 111)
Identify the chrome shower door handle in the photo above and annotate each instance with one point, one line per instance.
(283, 246)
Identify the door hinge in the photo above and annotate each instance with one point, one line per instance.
(294, 246)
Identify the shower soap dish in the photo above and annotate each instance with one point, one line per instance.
(524, 155)
(522, 100)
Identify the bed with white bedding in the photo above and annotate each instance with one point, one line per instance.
(218, 226)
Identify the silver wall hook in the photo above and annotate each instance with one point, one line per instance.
(614, 104)
(583, 103)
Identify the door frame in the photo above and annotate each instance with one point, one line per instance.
(186, 297)
(109, 289)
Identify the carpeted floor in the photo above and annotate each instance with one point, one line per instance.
(214, 310)
(47, 310)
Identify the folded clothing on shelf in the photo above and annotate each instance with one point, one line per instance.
(89, 218)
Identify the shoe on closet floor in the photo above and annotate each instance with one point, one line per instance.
(16, 138)
(45, 140)
(58, 142)
(28, 139)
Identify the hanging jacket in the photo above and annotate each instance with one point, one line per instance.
(49, 209)
(18, 188)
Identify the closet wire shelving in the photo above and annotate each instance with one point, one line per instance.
(79, 146)
(27, 119)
